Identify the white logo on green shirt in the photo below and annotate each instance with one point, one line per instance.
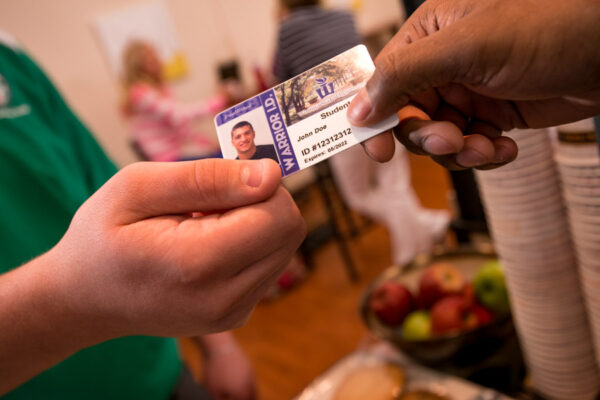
(4, 92)
(5, 96)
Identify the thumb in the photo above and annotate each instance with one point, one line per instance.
(407, 66)
(150, 189)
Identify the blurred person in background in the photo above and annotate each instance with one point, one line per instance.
(309, 35)
(161, 126)
(50, 165)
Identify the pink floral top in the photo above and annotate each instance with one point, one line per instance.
(161, 126)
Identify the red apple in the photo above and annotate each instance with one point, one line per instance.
(484, 315)
(452, 314)
(391, 302)
(468, 293)
(437, 281)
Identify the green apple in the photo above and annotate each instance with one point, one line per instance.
(417, 326)
(490, 287)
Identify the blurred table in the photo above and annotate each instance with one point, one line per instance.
(416, 377)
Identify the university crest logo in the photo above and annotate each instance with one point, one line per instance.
(325, 89)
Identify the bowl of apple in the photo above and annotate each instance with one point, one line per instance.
(449, 309)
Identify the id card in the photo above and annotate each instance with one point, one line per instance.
(301, 121)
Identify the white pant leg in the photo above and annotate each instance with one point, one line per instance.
(384, 193)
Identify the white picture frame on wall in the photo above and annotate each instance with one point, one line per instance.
(150, 22)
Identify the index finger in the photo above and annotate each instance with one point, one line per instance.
(381, 147)
(251, 233)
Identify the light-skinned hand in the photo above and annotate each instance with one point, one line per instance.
(162, 249)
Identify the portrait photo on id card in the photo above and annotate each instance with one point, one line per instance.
(249, 137)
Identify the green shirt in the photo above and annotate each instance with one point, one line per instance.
(49, 165)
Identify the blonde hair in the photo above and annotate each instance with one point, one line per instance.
(134, 64)
(134, 71)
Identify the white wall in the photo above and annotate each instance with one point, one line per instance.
(59, 35)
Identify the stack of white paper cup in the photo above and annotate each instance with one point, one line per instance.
(576, 153)
(528, 223)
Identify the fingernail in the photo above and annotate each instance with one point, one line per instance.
(360, 108)
(252, 173)
(470, 158)
(437, 145)
(499, 157)
(502, 155)
(366, 149)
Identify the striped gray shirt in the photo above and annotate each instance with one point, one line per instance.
(311, 35)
